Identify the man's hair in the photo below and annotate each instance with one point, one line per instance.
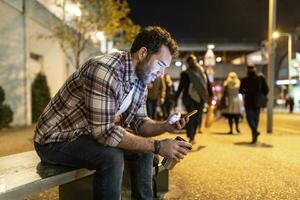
(251, 68)
(152, 38)
(191, 58)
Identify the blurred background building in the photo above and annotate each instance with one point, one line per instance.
(238, 39)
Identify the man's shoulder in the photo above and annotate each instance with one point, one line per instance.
(112, 59)
(107, 62)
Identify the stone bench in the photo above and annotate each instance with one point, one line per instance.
(22, 175)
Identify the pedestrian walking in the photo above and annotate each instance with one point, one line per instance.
(196, 91)
(254, 88)
(233, 102)
(168, 103)
(85, 124)
(291, 103)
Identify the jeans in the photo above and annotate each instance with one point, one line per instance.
(86, 152)
(253, 119)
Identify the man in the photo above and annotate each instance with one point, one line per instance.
(250, 87)
(84, 124)
(196, 90)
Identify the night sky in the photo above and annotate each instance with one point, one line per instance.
(215, 20)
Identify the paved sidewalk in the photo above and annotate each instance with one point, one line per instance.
(225, 166)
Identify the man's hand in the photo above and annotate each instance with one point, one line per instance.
(177, 126)
(174, 149)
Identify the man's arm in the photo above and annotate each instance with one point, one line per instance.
(100, 103)
(136, 143)
(242, 87)
(168, 147)
(182, 83)
(151, 128)
(265, 88)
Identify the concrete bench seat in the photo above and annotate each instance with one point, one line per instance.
(22, 175)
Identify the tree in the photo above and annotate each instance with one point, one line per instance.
(6, 114)
(40, 96)
(76, 33)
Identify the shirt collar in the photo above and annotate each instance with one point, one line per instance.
(129, 69)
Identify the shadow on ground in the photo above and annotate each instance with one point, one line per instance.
(224, 133)
(258, 144)
(196, 149)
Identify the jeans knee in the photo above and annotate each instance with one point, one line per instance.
(115, 158)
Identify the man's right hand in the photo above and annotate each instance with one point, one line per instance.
(174, 149)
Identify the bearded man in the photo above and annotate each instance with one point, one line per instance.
(86, 123)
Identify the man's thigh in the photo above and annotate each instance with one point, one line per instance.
(84, 152)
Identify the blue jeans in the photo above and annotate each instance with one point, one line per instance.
(85, 152)
(253, 119)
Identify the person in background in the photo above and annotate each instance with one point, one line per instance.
(155, 97)
(234, 103)
(196, 91)
(86, 123)
(169, 96)
(291, 103)
(250, 86)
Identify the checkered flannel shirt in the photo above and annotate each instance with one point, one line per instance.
(88, 102)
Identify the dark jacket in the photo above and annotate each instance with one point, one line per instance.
(250, 86)
(184, 86)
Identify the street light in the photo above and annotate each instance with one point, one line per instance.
(277, 35)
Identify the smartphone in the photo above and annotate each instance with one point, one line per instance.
(190, 113)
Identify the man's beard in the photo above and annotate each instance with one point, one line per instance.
(143, 72)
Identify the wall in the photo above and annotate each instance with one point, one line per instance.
(12, 59)
(23, 55)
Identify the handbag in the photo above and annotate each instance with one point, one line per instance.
(209, 116)
(260, 99)
(223, 102)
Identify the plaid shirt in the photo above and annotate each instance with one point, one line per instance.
(88, 102)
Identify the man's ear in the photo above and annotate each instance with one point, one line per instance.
(142, 53)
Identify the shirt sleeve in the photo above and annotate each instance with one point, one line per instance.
(139, 118)
(100, 104)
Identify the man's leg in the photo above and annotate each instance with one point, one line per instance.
(256, 133)
(191, 127)
(250, 113)
(200, 114)
(256, 117)
(141, 174)
(85, 152)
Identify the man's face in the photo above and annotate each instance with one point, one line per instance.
(151, 67)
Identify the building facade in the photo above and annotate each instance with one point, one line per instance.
(23, 54)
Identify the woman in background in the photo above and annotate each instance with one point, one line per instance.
(233, 101)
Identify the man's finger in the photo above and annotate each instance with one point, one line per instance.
(183, 151)
(185, 145)
(178, 124)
